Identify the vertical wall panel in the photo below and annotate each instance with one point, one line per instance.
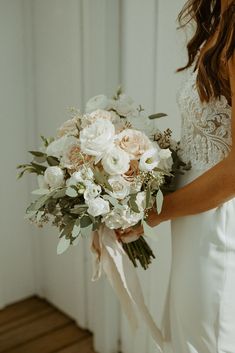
(16, 261)
(101, 64)
(138, 64)
(57, 34)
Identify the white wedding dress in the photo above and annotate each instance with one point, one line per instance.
(200, 309)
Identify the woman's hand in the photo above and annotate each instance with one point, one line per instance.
(133, 233)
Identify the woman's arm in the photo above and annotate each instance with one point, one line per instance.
(212, 188)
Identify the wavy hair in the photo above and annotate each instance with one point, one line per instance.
(208, 19)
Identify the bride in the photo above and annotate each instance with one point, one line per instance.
(200, 311)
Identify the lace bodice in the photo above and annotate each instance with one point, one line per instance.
(205, 127)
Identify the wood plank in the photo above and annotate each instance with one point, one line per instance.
(32, 330)
(23, 308)
(22, 320)
(54, 341)
(85, 346)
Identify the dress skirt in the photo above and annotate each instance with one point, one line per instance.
(200, 307)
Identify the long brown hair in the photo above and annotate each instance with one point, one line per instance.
(208, 18)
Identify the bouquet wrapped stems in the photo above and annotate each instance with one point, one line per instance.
(140, 251)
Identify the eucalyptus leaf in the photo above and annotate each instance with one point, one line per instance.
(157, 116)
(86, 231)
(76, 228)
(63, 245)
(132, 203)
(36, 205)
(71, 192)
(59, 193)
(40, 192)
(38, 154)
(111, 199)
(85, 221)
(159, 201)
(53, 161)
(78, 209)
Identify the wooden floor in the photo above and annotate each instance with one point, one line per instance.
(34, 326)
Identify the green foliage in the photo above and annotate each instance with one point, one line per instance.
(157, 116)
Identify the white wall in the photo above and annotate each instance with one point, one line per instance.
(16, 263)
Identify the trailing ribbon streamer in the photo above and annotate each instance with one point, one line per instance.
(109, 256)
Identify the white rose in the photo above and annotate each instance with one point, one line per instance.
(124, 106)
(134, 142)
(113, 219)
(98, 206)
(92, 191)
(54, 177)
(122, 218)
(84, 173)
(149, 160)
(166, 160)
(97, 102)
(96, 138)
(56, 148)
(121, 187)
(116, 161)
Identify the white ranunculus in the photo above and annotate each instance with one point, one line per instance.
(116, 161)
(57, 147)
(149, 160)
(166, 160)
(84, 173)
(134, 142)
(121, 187)
(97, 102)
(97, 207)
(124, 106)
(54, 177)
(92, 191)
(96, 138)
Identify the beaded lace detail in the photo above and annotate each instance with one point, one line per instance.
(205, 127)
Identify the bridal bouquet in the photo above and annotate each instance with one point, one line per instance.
(104, 170)
(107, 167)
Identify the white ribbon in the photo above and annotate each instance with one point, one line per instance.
(108, 255)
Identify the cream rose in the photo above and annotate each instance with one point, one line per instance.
(121, 187)
(96, 138)
(134, 142)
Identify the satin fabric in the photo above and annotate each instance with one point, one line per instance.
(200, 308)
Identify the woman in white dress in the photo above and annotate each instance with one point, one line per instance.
(200, 315)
